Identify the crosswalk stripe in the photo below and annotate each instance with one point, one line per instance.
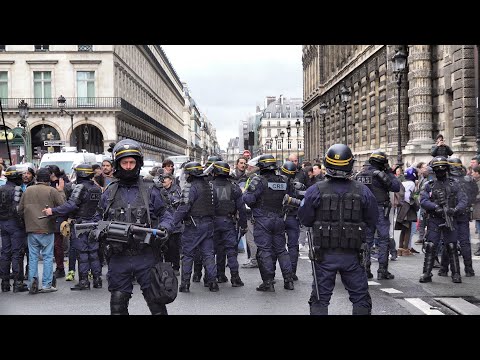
(392, 291)
(373, 283)
(423, 306)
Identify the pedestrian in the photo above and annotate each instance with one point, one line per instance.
(380, 180)
(81, 207)
(443, 199)
(440, 148)
(476, 206)
(127, 200)
(107, 171)
(339, 210)
(197, 210)
(28, 179)
(264, 195)
(40, 232)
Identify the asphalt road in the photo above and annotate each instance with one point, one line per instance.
(404, 295)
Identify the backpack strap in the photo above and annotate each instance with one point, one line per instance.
(113, 186)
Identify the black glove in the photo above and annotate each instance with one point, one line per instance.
(162, 234)
(243, 231)
(451, 212)
(92, 237)
(438, 210)
(383, 178)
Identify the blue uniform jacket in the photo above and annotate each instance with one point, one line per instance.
(427, 204)
(240, 206)
(69, 206)
(306, 211)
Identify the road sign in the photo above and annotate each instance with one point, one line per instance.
(54, 143)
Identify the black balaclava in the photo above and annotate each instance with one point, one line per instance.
(440, 172)
(128, 177)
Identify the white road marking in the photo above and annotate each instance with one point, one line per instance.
(423, 306)
(392, 291)
(373, 283)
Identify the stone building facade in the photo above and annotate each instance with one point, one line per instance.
(437, 96)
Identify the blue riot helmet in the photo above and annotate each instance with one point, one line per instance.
(221, 168)
(411, 174)
(123, 149)
(84, 171)
(212, 159)
(440, 166)
(267, 162)
(289, 169)
(378, 159)
(193, 168)
(456, 166)
(339, 161)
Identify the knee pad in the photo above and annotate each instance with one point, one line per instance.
(119, 302)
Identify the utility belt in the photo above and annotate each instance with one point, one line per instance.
(196, 220)
(116, 248)
(387, 206)
(271, 213)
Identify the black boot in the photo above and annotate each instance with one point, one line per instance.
(428, 262)
(356, 310)
(213, 286)
(288, 283)
(235, 279)
(59, 273)
(222, 278)
(368, 262)
(315, 308)
(444, 261)
(184, 286)
(119, 303)
(83, 283)
(19, 286)
(6, 284)
(383, 273)
(197, 276)
(155, 307)
(267, 285)
(454, 262)
(468, 267)
(97, 282)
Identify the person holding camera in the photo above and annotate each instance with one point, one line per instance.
(440, 148)
(380, 180)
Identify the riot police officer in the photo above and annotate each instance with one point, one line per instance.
(339, 210)
(470, 188)
(196, 210)
(443, 199)
(264, 196)
(380, 180)
(226, 236)
(292, 224)
(13, 232)
(81, 206)
(126, 199)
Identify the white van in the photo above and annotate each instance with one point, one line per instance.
(67, 160)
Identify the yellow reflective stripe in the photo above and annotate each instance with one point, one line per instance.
(377, 156)
(337, 162)
(194, 167)
(268, 160)
(128, 150)
(288, 171)
(455, 164)
(441, 162)
(222, 168)
(86, 170)
(10, 172)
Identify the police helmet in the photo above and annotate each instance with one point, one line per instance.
(221, 168)
(378, 157)
(339, 161)
(12, 173)
(193, 168)
(289, 169)
(127, 148)
(411, 174)
(267, 162)
(456, 166)
(439, 163)
(212, 159)
(84, 171)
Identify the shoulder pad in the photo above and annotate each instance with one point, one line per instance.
(252, 186)
(467, 178)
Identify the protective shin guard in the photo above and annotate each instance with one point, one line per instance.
(428, 262)
(444, 261)
(119, 303)
(454, 262)
(317, 309)
(468, 267)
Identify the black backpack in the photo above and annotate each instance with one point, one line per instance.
(164, 283)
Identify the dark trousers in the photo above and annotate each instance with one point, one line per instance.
(173, 253)
(58, 250)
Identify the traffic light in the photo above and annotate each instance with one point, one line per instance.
(37, 152)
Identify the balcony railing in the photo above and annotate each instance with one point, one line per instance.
(71, 103)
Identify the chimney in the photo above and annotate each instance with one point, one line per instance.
(281, 99)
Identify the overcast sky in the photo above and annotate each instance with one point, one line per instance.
(227, 82)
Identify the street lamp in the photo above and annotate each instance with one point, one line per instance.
(308, 120)
(27, 136)
(289, 131)
(276, 147)
(323, 112)
(399, 63)
(297, 124)
(345, 96)
(61, 104)
(282, 134)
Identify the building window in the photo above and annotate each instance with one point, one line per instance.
(268, 123)
(85, 47)
(269, 133)
(85, 88)
(279, 145)
(269, 145)
(278, 123)
(288, 107)
(289, 144)
(289, 115)
(42, 88)
(42, 47)
(279, 115)
(2, 47)
(299, 144)
(3, 85)
(269, 115)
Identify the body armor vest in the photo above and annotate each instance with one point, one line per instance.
(338, 219)
(90, 197)
(275, 189)
(367, 178)
(224, 191)
(204, 205)
(135, 213)
(445, 187)
(7, 207)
